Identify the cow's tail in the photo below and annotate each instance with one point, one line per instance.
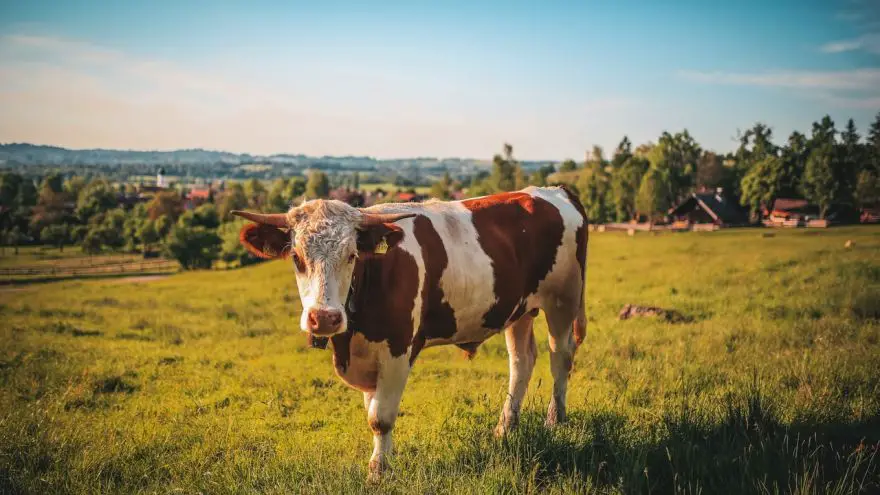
(579, 326)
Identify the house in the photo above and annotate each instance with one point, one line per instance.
(197, 196)
(870, 215)
(790, 212)
(711, 210)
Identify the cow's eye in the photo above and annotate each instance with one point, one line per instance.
(298, 262)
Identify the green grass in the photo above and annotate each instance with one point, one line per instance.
(201, 382)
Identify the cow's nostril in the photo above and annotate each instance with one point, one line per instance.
(313, 319)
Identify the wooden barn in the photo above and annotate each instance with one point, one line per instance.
(707, 211)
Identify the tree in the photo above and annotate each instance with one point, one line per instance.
(204, 216)
(762, 184)
(96, 198)
(568, 166)
(710, 171)
(442, 188)
(73, 186)
(318, 185)
(256, 193)
(193, 247)
(296, 187)
(593, 187)
(92, 242)
(504, 171)
(539, 177)
(794, 160)
(233, 198)
(820, 184)
(652, 200)
(622, 153)
(873, 146)
(51, 205)
(850, 159)
(16, 237)
(867, 189)
(277, 199)
(57, 235)
(232, 251)
(165, 203)
(625, 182)
(111, 228)
(27, 193)
(356, 181)
(148, 234)
(10, 184)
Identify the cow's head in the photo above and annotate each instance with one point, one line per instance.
(324, 238)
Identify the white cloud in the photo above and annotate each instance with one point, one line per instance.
(857, 79)
(868, 42)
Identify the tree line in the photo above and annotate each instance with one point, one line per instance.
(828, 167)
(100, 216)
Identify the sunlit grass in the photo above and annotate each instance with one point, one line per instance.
(201, 382)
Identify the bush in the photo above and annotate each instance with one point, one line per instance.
(193, 247)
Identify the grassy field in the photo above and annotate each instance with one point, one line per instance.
(201, 383)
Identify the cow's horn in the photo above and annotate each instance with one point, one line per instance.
(379, 218)
(276, 219)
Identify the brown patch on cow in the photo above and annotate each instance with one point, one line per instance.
(380, 427)
(370, 237)
(341, 351)
(521, 234)
(385, 287)
(265, 241)
(438, 318)
(418, 343)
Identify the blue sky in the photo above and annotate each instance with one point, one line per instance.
(393, 79)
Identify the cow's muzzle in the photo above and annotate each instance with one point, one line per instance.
(324, 322)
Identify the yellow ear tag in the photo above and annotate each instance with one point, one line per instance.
(382, 247)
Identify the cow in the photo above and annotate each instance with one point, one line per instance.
(384, 282)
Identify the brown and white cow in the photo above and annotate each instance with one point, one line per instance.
(387, 281)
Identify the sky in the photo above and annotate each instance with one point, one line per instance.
(415, 78)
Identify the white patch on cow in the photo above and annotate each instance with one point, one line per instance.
(561, 279)
(411, 246)
(468, 280)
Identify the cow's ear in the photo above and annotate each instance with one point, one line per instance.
(379, 238)
(266, 241)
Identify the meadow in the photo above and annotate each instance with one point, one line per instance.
(202, 383)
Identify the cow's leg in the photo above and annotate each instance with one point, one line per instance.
(368, 397)
(382, 410)
(522, 352)
(562, 347)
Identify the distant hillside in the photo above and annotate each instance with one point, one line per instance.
(23, 154)
(30, 154)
